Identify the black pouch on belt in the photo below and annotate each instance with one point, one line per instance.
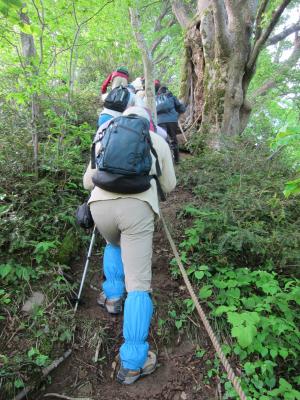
(84, 217)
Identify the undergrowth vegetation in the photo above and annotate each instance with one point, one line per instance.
(38, 239)
(241, 250)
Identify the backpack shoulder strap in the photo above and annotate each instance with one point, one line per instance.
(98, 137)
(158, 173)
(93, 155)
(157, 166)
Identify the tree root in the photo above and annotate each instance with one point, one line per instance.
(61, 396)
(46, 371)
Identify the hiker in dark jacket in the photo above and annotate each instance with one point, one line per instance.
(168, 109)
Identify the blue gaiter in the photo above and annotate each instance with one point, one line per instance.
(113, 286)
(137, 317)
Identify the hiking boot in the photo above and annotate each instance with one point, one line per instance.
(128, 376)
(112, 306)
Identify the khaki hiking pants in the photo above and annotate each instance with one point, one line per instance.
(128, 223)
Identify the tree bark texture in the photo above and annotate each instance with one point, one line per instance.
(220, 59)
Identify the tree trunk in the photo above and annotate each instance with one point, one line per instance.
(147, 62)
(29, 53)
(72, 65)
(219, 64)
(216, 77)
(191, 89)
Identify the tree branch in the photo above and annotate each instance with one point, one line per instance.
(41, 18)
(16, 48)
(221, 28)
(202, 5)
(76, 38)
(285, 33)
(261, 10)
(283, 70)
(162, 56)
(37, 12)
(75, 14)
(158, 41)
(181, 13)
(85, 21)
(265, 35)
(158, 26)
(241, 15)
(150, 4)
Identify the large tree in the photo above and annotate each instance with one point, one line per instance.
(222, 44)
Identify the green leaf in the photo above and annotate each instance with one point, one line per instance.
(274, 353)
(234, 318)
(4, 209)
(43, 247)
(270, 288)
(18, 383)
(222, 309)
(41, 360)
(26, 28)
(66, 336)
(251, 318)
(5, 269)
(249, 368)
(234, 292)
(32, 352)
(283, 352)
(292, 187)
(199, 275)
(205, 292)
(244, 334)
(178, 323)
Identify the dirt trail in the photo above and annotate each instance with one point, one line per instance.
(180, 374)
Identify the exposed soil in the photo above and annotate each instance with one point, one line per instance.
(180, 375)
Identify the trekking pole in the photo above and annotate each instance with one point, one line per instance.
(85, 267)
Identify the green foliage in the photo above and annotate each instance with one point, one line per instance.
(289, 140)
(13, 272)
(38, 358)
(240, 249)
(68, 248)
(243, 213)
(35, 216)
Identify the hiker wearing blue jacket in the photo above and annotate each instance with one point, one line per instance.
(168, 109)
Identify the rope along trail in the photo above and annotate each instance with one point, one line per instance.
(230, 373)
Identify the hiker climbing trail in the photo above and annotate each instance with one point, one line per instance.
(180, 375)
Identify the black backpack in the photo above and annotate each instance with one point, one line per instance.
(117, 99)
(164, 103)
(124, 161)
